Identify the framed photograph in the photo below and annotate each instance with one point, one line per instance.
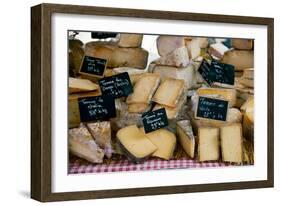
(132, 102)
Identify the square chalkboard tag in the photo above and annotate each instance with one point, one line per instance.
(222, 73)
(117, 86)
(93, 66)
(204, 70)
(211, 108)
(154, 120)
(96, 108)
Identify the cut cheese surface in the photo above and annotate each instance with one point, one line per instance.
(135, 143)
(81, 144)
(138, 107)
(144, 88)
(130, 40)
(164, 140)
(226, 94)
(81, 85)
(167, 44)
(208, 146)
(169, 91)
(231, 143)
(186, 137)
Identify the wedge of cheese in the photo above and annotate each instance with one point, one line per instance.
(217, 50)
(164, 140)
(167, 44)
(243, 44)
(169, 92)
(248, 73)
(188, 74)
(226, 94)
(248, 118)
(144, 89)
(193, 48)
(138, 107)
(208, 144)
(135, 143)
(231, 143)
(101, 133)
(81, 144)
(186, 137)
(241, 59)
(81, 85)
(130, 40)
(177, 58)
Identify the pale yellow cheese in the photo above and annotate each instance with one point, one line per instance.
(135, 143)
(81, 85)
(186, 137)
(231, 143)
(208, 145)
(164, 140)
(226, 94)
(130, 40)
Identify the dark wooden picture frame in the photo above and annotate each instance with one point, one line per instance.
(41, 101)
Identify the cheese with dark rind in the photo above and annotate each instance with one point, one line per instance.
(231, 143)
(164, 140)
(208, 144)
(135, 144)
(81, 144)
(186, 137)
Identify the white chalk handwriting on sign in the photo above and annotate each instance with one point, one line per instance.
(154, 120)
(96, 108)
(212, 108)
(117, 86)
(93, 65)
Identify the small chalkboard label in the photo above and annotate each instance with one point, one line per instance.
(222, 73)
(154, 120)
(204, 70)
(96, 108)
(103, 35)
(210, 108)
(217, 72)
(93, 66)
(117, 86)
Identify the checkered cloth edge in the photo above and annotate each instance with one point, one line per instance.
(151, 164)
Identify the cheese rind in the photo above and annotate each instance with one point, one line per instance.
(138, 107)
(217, 50)
(231, 143)
(81, 144)
(164, 140)
(186, 137)
(81, 85)
(167, 44)
(135, 144)
(226, 94)
(130, 40)
(208, 144)
(101, 133)
(168, 92)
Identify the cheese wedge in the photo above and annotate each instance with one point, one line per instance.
(144, 89)
(243, 44)
(208, 144)
(138, 107)
(226, 94)
(217, 50)
(177, 58)
(81, 85)
(193, 48)
(231, 143)
(241, 59)
(81, 144)
(186, 137)
(135, 143)
(248, 73)
(247, 82)
(167, 44)
(164, 140)
(101, 133)
(168, 92)
(130, 40)
(248, 118)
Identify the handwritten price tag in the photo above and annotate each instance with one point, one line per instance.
(154, 120)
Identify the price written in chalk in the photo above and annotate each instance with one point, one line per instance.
(96, 108)
(117, 86)
(93, 66)
(211, 108)
(154, 120)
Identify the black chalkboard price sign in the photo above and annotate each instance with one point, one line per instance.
(117, 86)
(217, 72)
(96, 108)
(154, 120)
(93, 66)
(210, 108)
(103, 35)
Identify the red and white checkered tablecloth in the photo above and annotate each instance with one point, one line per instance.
(151, 164)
